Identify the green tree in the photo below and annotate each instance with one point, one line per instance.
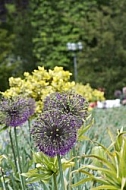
(20, 26)
(5, 50)
(103, 62)
(15, 43)
(56, 23)
(42, 31)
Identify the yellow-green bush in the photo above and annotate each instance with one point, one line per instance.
(92, 95)
(39, 84)
(42, 82)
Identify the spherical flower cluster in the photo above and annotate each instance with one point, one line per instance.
(69, 103)
(16, 110)
(54, 132)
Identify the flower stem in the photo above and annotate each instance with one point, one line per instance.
(19, 161)
(76, 165)
(61, 172)
(54, 180)
(29, 126)
(13, 151)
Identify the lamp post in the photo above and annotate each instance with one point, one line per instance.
(74, 47)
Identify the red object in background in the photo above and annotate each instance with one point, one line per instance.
(93, 104)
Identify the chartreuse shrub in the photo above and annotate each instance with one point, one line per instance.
(108, 167)
(92, 95)
(41, 83)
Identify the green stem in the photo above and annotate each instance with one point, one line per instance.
(70, 179)
(13, 182)
(76, 165)
(70, 171)
(54, 180)
(61, 172)
(13, 151)
(29, 126)
(19, 161)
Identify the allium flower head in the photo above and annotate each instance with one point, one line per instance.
(54, 132)
(16, 110)
(69, 103)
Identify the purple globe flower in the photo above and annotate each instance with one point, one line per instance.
(54, 132)
(69, 103)
(16, 110)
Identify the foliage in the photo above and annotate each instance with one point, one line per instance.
(10, 64)
(104, 56)
(92, 95)
(6, 43)
(39, 84)
(6, 68)
(109, 164)
(46, 167)
(56, 23)
(96, 131)
(46, 27)
(15, 44)
(104, 120)
(96, 24)
(23, 32)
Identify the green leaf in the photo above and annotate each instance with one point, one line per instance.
(122, 159)
(67, 163)
(82, 182)
(45, 161)
(34, 176)
(106, 162)
(123, 183)
(84, 129)
(2, 157)
(3, 128)
(105, 187)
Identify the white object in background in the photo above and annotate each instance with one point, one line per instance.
(109, 103)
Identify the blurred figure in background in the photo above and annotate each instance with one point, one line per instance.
(123, 96)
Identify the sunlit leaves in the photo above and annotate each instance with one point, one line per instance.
(109, 164)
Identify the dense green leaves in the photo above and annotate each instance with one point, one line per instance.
(46, 167)
(104, 56)
(38, 35)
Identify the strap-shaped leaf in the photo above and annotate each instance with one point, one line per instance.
(105, 187)
(82, 181)
(122, 159)
(108, 176)
(106, 162)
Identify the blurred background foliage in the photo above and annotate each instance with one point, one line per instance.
(36, 32)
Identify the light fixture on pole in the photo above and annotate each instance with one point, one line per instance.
(74, 47)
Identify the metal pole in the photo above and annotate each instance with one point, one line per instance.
(73, 47)
(75, 67)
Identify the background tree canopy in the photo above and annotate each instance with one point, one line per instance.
(36, 33)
